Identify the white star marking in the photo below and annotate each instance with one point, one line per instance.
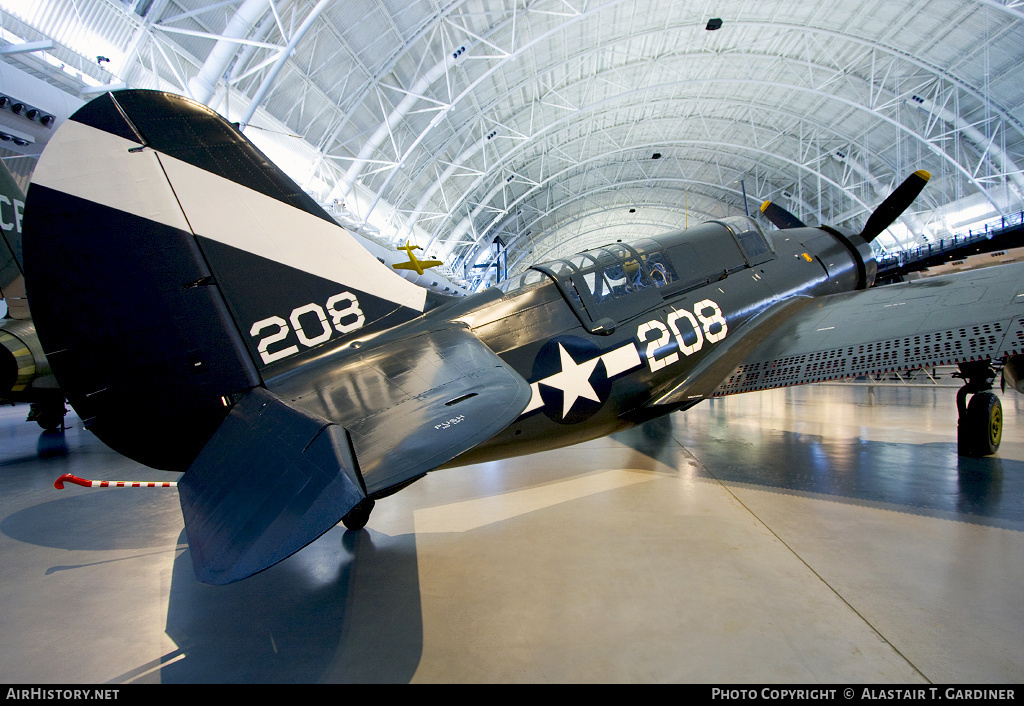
(616, 362)
(573, 381)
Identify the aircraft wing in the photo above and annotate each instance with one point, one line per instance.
(946, 320)
(418, 265)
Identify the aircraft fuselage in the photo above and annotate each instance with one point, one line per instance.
(588, 383)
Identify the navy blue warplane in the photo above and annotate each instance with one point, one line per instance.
(204, 315)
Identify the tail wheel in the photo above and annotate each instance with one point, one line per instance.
(357, 517)
(49, 416)
(981, 428)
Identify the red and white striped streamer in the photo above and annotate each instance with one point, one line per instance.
(85, 483)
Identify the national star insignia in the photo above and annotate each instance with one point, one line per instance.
(574, 378)
(573, 381)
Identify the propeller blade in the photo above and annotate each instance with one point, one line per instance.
(780, 217)
(897, 202)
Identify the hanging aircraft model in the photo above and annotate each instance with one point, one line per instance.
(414, 263)
(204, 315)
(24, 373)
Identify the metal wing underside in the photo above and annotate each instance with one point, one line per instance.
(977, 315)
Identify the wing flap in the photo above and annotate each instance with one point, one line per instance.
(945, 320)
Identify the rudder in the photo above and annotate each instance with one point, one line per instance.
(172, 267)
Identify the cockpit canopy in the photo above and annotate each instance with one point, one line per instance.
(613, 283)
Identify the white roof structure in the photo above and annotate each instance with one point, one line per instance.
(560, 125)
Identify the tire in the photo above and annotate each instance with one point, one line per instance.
(49, 422)
(981, 430)
(357, 517)
(48, 416)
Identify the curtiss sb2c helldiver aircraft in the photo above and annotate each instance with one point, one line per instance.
(203, 315)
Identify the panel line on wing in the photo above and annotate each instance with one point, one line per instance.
(935, 321)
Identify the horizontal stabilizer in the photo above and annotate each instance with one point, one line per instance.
(414, 402)
(271, 480)
(276, 475)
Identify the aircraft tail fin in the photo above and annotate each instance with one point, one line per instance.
(199, 312)
(172, 267)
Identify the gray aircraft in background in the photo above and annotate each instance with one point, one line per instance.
(25, 375)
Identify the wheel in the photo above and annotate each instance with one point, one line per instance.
(48, 416)
(357, 517)
(49, 422)
(980, 430)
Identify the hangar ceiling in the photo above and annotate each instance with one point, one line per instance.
(559, 125)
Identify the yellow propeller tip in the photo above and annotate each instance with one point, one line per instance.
(764, 206)
(923, 174)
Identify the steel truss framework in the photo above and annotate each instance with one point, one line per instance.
(538, 121)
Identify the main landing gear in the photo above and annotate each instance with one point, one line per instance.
(979, 422)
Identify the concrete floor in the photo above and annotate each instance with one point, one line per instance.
(816, 534)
